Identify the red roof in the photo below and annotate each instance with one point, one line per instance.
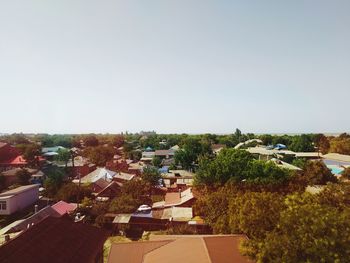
(19, 160)
(55, 240)
(64, 208)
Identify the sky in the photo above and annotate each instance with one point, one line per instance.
(174, 66)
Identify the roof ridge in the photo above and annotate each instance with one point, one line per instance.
(167, 242)
(206, 249)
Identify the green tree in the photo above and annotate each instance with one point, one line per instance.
(53, 182)
(31, 154)
(255, 213)
(151, 175)
(229, 164)
(63, 156)
(99, 155)
(308, 232)
(71, 192)
(156, 161)
(302, 143)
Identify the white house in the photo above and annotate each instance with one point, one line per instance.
(18, 198)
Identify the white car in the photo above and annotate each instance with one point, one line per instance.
(144, 208)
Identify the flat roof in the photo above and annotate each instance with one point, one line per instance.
(20, 189)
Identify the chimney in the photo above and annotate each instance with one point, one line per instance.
(180, 192)
(35, 209)
(7, 238)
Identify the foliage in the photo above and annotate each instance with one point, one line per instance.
(53, 182)
(232, 165)
(71, 192)
(192, 148)
(299, 162)
(340, 144)
(156, 161)
(317, 173)
(346, 173)
(151, 175)
(302, 143)
(23, 176)
(63, 155)
(99, 155)
(31, 154)
(124, 204)
(322, 143)
(254, 213)
(91, 141)
(309, 232)
(56, 140)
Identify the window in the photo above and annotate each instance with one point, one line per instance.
(3, 205)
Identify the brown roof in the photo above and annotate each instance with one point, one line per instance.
(220, 249)
(172, 198)
(55, 240)
(133, 252)
(2, 144)
(174, 249)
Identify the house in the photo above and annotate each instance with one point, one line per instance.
(99, 173)
(164, 153)
(123, 177)
(181, 248)
(24, 224)
(54, 149)
(63, 208)
(19, 198)
(10, 176)
(7, 153)
(147, 156)
(56, 240)
(178, 179)
(103, 189)
(216, 148)
(178, 199)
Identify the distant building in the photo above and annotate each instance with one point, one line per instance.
(19, 198)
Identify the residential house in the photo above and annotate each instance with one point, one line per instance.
(56, 240)
(63, 208)
(7, 154)
(11, 177)
(180, 248)
(19, 198)
(176, 180)
(147, 156)
(178, 199)
(99, 173)
(216, 148)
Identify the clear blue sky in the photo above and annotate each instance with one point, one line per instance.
(174, 66)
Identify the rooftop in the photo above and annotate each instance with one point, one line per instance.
(174, 249)
(55, 240)
(19, 190)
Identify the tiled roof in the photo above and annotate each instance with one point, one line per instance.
(55, 240)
